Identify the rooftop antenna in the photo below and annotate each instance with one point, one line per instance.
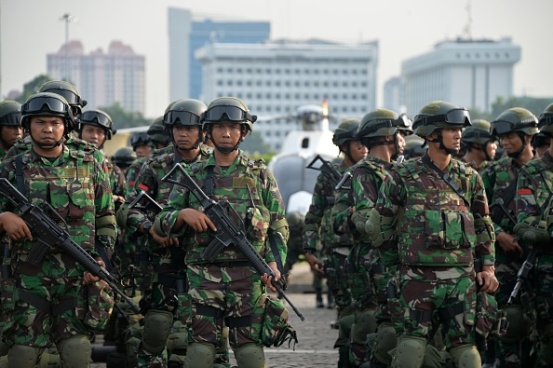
(468, 25)
(67, 18)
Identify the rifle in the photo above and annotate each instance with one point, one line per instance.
(499, 203)
(144, 202)
(325, 167)
(523, 273)
(49, 235)
(227, 232)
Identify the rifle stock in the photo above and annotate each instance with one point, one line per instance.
(325, 167)
(227, 231)
(50, 235)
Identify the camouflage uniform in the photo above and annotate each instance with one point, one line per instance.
(533, 204)
(440, 235)
(51, 295)
(228, 289)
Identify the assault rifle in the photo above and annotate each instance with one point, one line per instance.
(49, 235)
(326, 167)
(144, 202)
(522, 274)
(228, 233)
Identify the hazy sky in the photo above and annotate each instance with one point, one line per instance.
(404, 28)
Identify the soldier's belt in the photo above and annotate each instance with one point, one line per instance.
(226, 264)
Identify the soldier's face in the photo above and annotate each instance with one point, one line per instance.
(452, 138)
(10, 134)
(143, 150)
(47, 130)
(357, 150)
(93, 134)
(491, 149)
(186, 136)
(511, 142)
(226, 135)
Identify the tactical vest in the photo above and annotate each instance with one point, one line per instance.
(437, 227)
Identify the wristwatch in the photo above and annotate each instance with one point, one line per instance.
(146, 227)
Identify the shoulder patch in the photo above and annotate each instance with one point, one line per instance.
(524, 191)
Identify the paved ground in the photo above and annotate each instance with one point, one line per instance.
(315, 336)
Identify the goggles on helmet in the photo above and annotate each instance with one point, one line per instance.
(545, 119)
(453, 116)
(96, 117)
(140, 139)
(500, 127)
(45, 104)
(12, 119)
(228, 113)
(184, 117)
(71, 97)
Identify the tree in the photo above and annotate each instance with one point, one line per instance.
(32, 87)
(124, 119)
(254, 144)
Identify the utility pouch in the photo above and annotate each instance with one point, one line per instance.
(276, 330)
(96, 305)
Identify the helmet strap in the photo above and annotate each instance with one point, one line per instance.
(440, 140)
(518, 152)
(47, 146)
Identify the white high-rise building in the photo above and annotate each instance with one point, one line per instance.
(102, 78)
(274, 79)
(468, 73)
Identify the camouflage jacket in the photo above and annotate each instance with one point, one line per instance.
(318, 232)
(251, 190)
(77, 187)
(435, 226)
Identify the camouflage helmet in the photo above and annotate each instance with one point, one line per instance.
(184, 112)
(229, 109)
(68, 91)
(346, 131)
(440, 114)
(294, 219)
(124, 156)
(47, 104)
(10, 113)
(157, 132)
(379, 123)
(97, 118)
(140, 139)
(545, 121)
(479, 132)
(414, 147)
(515, 119)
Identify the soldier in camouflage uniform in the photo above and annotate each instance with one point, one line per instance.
(50, 301)
(123, 158)
(436, 208)
(414, 147)
(480, 145)
(295, 241)
(10, 125)
(183, 124)
(382, 132)
(228, 290)
(514, 128)
(534, 208)
(541, 143)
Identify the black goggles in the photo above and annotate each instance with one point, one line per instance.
(95, 117)
(182, 118)
(228, 113)
(501, 127)
(454, 117)
(140, 139)
(373, 128)
(45, 105)
(545, 119)
(11, 119)
(72, 98)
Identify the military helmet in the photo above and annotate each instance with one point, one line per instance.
(404, 124)
(440, 114)
(346, 131)
(47, 104)
(414, 147)
(541, 139)
(545, 121)
(97, 118)
(479, 132)
(10, 113)
(157, 132)
(229, 109)
(140, 139)
(515, 119)
(379, 123)
(184, 112)
(294, 219)
(124, 156)
(68, 91)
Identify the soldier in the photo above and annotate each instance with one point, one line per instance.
(295, 241)
(68, 91)
(541, 143)
(515, 128)
(10, 125)
(53, 293)
(436, 208)
(480, 145)
(229, 289)
(123, 158)
(414, 147)
(183, 123)
(382, 131)
(535, 225)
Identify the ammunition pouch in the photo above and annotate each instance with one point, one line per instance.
(275, 329)
(95, 305)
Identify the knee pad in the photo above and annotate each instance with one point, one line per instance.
(75, 352)
(386, 340)
(364, 325)
(23, 356)
(177, 343)
(518, 324)
(546, 347)
(4, 361)
(434, 358)
(200, 355)
(131, 350)
(176, 361)
(157, 327)
(466, 356)
(409, 352)
(49, 360)
(344, 326)
(250, 356)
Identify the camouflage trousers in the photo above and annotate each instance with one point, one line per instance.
(451, 302)
(225, 295)
(46, 304)
(335, 267)
(362, 290)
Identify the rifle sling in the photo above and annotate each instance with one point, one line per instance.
(445, 176)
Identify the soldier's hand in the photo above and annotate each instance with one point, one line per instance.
(267, 279)
(315, 264)
(509, 244)
(163, 241)
(14, 226)
(487, 281)
(197, 220)
(89, 278)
